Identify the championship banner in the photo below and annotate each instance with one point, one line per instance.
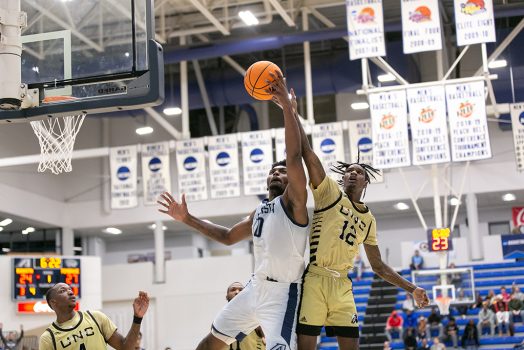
(191, 164)
(467, 121)
(517, 122)
(421, 26)
(429, 132)
(224, 170)
(365, 21)
(122, 164)
(389, 123)
(328, 144)
(361, 144)
(156, 171)
(280, 144)
(257, 158)
(517, 216)
(474, 21)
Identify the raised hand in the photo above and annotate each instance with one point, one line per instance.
(278, 89)
(177, 211)
(420, 297)
(141, 304)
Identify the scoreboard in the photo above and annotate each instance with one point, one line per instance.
(32, 277)
(439, 239)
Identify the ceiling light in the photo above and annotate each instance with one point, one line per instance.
(384, 78)
(126, 54)
(401, 206)
(112, 230)
(1, 229)
(497, 64)
(359, 105)
(6, 250)
(153, 226)
(144, 130)
(454, 201)
(248, 17)
(172, 111)
(28, 230)
(508, 197)
(6, 222)
(77, 249)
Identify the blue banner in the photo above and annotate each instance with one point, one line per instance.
(512, 246)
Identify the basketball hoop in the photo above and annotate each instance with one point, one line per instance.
(56, 136)
(443, 305)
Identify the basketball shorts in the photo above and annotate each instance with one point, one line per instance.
(272, 305)
(327, 300)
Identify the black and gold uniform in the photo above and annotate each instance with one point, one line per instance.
(251, 342)
(87, 330)
(339, 227)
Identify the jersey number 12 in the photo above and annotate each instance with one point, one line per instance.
(351, 234)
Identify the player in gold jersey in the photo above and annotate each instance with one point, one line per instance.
(341, 222)
(87, 330)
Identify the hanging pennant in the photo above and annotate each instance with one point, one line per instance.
(328, 144)
(280, 144)
(191, 165)
(156, 171)
(365, 20)
(474, 22)
(257, 158)
(421, 26)
(224, 172)
(361, 144)
(517, 123)
(122, 164)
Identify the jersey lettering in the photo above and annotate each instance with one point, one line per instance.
(83, 347)
(74, 338)
(347, 236)
(268, 208)
(258, 227)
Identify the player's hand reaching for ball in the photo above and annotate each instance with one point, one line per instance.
(278, 89)
(420, 297)
(177, 211)
(141, 304)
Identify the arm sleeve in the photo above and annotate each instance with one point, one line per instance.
(45, 343)
(371, 236)
(326, 194)
(106, 325)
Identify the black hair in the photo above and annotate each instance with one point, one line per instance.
(227, 291)
(49, 295)
(341, 168)
(279, 163)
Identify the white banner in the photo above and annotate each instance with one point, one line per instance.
(156, 171)
(257, 158)
(389, 123)
(122, 164)
(224, 170)
(191, 165)
(421, 26)
(365, 20)
(280, 144)
(474, 22)
(467, 121)
(328, 144)
(429, 131)
(517, 122)
(360, 143)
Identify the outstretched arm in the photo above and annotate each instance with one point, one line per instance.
(118, 341)
(227, 236)
(295, 195)
(390, 275)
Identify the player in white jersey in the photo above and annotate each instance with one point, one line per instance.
(279, 228)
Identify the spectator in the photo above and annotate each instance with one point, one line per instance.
(451, 332)
(491, 298)
(408, 303)
(486, 319)
(423, 344)
(478, 301)
(410, 320)
(515, 307)
(387, 346)
(394, 323)
(410, 341)
(454, 278)
(437, 345)
(462, 309)
(435, 321)
(422, 329)
(504, 294)
(11, 342)
(470, 338)
(502, 315)
(516, 291)
(358, 266)
(417, 261)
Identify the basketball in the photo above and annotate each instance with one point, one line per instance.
(256, 76)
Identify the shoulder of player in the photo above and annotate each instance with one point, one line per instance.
(99, 316)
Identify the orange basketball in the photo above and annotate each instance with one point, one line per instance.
(255, 80)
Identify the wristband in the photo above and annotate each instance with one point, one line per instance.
(137, 320)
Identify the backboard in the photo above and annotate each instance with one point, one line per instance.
(102, 53)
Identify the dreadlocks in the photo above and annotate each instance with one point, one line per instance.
(341, 168)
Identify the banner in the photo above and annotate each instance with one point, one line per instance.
(389, 123)
(257, 158)
(156, 171)
(474, 22)
(280, 144)
(517, 216)
(361, 144)
(122, 164)
(421, 26)
(328, 144)
(365, 21)
(429, 132)
(517, 123)
(224, 170)
(512, 246)
(467, 121)
(191, 164)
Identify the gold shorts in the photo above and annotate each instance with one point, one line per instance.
(327, 300)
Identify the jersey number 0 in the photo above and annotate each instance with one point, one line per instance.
(258, 227)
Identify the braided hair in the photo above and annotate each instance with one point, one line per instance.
(341, 168)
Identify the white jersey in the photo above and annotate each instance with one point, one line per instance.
(279, 243)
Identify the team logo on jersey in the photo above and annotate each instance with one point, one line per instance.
(303, 319)
(354, 319)
(123, 173)
(155, 164)
(279, 346)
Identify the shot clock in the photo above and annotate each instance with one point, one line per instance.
(439, 239)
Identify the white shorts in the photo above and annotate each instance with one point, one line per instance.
(271, 305)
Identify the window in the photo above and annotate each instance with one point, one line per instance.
(499, 228)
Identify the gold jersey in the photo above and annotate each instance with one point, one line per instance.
(87, 330)
(339, 226)
(251, 342)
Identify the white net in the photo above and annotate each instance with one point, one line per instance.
(57, 139)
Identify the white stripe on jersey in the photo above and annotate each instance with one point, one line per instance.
(279, 243)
